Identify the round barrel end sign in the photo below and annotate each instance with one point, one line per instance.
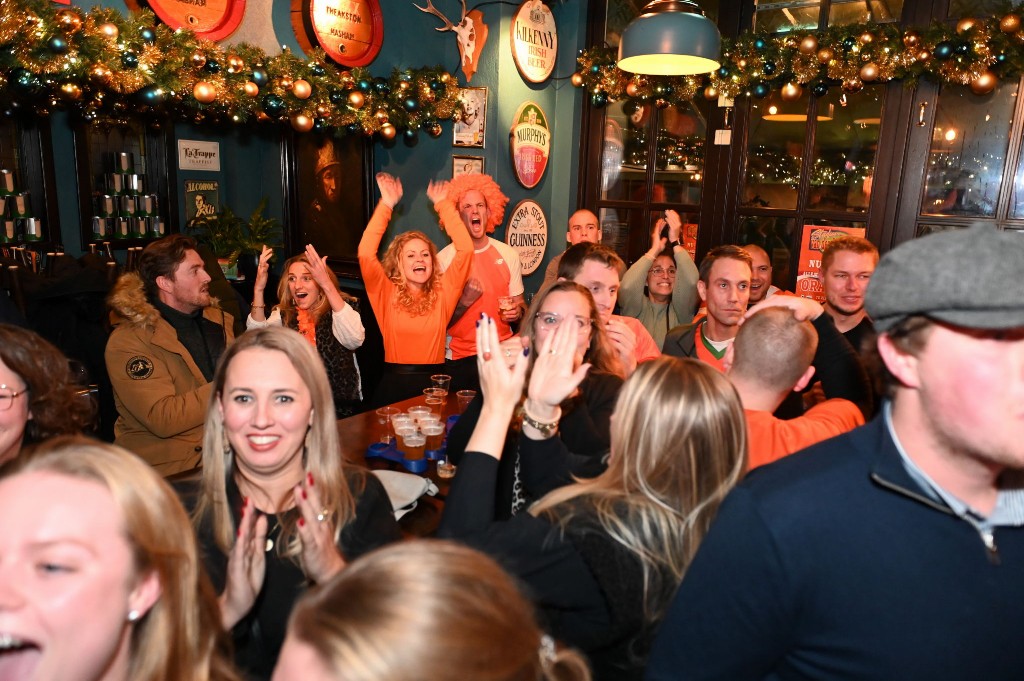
(531, 144)
(527, 232)
(534, 41)
(349, 31)
(208, 19)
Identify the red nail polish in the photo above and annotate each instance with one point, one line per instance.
(309, 476)
(245, 502)
(302, 522)
(303, 494)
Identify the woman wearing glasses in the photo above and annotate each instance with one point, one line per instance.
(588, 409)
(660, 289)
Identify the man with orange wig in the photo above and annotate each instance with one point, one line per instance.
(495, 278)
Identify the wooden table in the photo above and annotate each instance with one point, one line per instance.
(360, 431)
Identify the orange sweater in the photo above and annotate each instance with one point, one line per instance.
(409, 339)
(771, 438)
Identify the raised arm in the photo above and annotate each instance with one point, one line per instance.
(684, 295)
(346, 323)
(373, 272)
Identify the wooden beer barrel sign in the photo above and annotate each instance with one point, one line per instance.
(349, 31)
(208, 19)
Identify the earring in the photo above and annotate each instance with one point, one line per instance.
(133, 615)
(226, 443)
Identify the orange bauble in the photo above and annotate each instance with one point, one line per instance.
(204, 92)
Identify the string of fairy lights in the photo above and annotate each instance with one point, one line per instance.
(104, 65)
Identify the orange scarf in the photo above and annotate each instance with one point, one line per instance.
(307, 326)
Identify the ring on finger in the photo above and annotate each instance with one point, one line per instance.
(322, 515)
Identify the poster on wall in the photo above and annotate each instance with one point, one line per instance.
(467, 165)
(812, 243)
(527, 232)
(534, 41)
(202, 198)
(470, 123)
(530, 140)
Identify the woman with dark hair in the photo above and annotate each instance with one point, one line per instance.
(277, 508)
(410, 295)
(422, 610)
(38, 395)
(602, 557)
(100, 572)
(312, 303)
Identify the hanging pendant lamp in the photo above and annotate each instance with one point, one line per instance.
(670, 38)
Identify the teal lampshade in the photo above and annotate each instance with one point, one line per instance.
(670, 38)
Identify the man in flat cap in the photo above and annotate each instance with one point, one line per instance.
(895, 551)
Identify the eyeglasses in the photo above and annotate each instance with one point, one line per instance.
(7, 399)
(661, 271)
(551, 320)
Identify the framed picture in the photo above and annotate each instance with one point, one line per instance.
(470, 126)
(329, 188)
(467, 165)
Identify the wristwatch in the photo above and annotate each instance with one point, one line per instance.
(673, 244)
(545, 429)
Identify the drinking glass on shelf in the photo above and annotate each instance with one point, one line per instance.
(465, 397)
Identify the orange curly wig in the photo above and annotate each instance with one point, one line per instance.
(485, 184)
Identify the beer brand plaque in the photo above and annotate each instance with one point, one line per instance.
(531, 144)
(534, 40)
(208, 19)
(349, 31)
(527, 232)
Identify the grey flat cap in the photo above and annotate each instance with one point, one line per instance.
(972, 278)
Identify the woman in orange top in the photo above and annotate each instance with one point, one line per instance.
(411, 298)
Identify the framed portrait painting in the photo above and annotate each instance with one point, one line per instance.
(470, 127)
(467, 165)
(330, 192)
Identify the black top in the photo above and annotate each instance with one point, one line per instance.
(204, 339)
(862, 333)
(258, 637)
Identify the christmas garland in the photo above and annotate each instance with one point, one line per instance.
(976, 52)
(104, 65)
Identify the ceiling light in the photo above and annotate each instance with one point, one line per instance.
(670, 38)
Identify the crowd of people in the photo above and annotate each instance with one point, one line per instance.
(675, 470)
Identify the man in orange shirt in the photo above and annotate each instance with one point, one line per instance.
(772, 356)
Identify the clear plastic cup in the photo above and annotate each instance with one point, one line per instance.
(437, 394)
(465, 397)
(434, 432)
(414, 446)
(441, 382)
(445, 469)
(384, 414)
(417, 413)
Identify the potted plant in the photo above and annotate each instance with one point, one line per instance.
(260, 230)
(231, 238)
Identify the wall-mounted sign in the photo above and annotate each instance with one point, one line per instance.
(531, 144)
(209, 19)
(349, 31)
(196, 155)
(534, 41)
(812, 243)
(202, 198)
(527, 232)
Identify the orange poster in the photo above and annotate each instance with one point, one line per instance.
(808, 279)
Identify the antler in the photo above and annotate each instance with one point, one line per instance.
(430, 9)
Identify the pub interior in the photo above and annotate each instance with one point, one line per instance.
(418, 171)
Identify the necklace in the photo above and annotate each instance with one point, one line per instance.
(271, 533)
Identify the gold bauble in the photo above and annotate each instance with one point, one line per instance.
(381, 115)
(204, 92)
(924, 55)
(869, 72)
(445, 77)
(323, 111)
(356, 100)
(825, 55)
(809, 44)
(984, 84)
(965, 25)
(1010, 23)
(632, 90)
(302, 89)
(110, 30)
(71, 91)
(711, 93)
(852, 85)
(285, 82)
(387, 131)
(791, 92)
(251, 88)
(911, 39)
(576, 79)
(70, 20)
(302, 122)
(867, 37)
(198, 60)
(100, 73)
(235, 63)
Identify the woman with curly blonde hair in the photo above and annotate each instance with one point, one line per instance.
(412, 299)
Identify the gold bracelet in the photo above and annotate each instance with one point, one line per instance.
(545, 429)
(258, 307)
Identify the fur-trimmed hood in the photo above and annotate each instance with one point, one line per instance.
(129, 302)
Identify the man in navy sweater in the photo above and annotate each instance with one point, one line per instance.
(895, 551)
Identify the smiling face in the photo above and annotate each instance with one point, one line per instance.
(13, 420)
(189, 289)
(267, 410)
(416, 263)
(474, 212)
(67, 581)
(761, 273)
(661, 278)
(304, 291)
(556, 309)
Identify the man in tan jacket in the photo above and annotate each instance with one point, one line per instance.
(162, 354)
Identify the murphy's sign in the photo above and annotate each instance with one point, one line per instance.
(531, 144)
(534, 41)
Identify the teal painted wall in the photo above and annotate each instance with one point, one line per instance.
(251, 160)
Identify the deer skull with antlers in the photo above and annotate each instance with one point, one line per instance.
(467, 33)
